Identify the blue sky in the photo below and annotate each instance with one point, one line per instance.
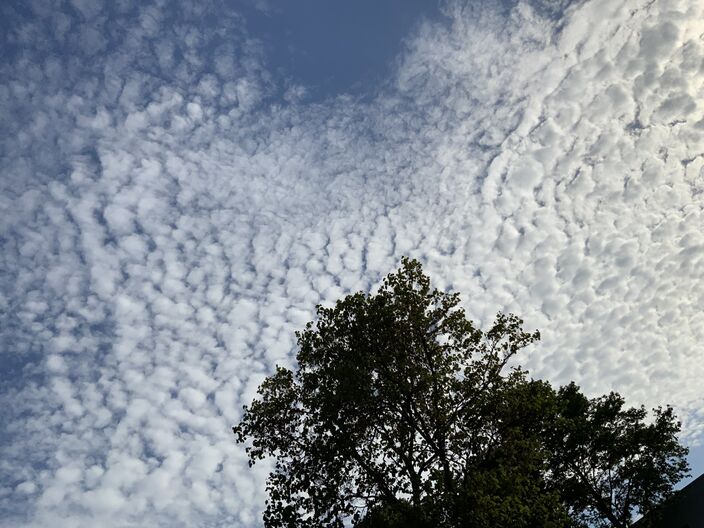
(181, 183)
(335, 47)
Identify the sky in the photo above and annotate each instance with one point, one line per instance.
(182, 182)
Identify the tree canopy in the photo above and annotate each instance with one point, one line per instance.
(401, 412)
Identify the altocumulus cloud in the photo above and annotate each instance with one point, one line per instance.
(171, 211)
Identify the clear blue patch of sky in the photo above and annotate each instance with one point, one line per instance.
(332, 47)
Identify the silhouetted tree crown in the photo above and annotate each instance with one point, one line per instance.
(402, 413)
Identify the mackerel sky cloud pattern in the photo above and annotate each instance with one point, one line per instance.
(173, 208)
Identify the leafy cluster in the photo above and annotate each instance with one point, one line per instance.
(403, 413)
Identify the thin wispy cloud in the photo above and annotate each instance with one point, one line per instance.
(172, 210)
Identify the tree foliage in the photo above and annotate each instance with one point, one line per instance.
(610, 460)
(402, 413)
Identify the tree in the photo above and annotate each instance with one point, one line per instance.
(609, 461)
(403, 413)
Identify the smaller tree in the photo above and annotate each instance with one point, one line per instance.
(609, 460)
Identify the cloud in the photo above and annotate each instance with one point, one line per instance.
(168, 222)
